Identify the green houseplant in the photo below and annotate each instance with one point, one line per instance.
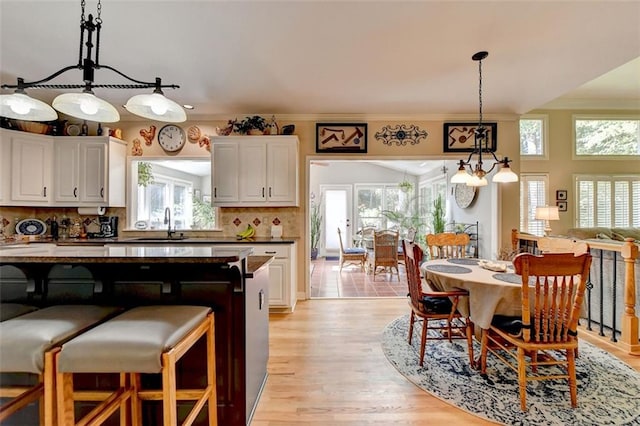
(145, 174)
(437, 215)
(251, 124)
(316, 222)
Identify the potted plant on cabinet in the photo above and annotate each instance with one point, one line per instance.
(251, 126)
(316, 222)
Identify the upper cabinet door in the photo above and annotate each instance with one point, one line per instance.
(224, 172)
(66, 171)
(93, 170)
(282, 173)
(253, 172)
(31, 169)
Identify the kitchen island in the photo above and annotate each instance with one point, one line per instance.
(228, 280)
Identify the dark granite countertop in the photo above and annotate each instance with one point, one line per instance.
(130, 253)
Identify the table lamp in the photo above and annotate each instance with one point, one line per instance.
(547, 213)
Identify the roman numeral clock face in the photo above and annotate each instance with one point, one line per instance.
(171, 138)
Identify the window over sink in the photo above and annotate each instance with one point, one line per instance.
(183, 185)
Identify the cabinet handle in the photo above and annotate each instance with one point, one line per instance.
(260, 299)
(75, 192)
(263, 191)
(270, 252)
(101, 192)
(45, 192)
(215, 192)
(269, 191)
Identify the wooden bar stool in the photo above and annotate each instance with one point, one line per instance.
(27, 345)
(148, 339)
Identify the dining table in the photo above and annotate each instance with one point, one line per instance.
(490, 292)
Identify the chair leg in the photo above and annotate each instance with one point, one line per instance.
(423, 340)
(211, 375)
(412, 320)
(136, 402)
(48, 412)
(573, 387)
(169, 400)
(484, 342)
(522, 379)
(469, 331)
(64, 395)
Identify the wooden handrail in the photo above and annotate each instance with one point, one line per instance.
(629, 252)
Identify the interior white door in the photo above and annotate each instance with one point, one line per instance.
(337, 213)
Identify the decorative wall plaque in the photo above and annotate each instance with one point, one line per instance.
(401, 134)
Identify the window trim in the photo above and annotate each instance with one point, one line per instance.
(545, 137)
(575, 117)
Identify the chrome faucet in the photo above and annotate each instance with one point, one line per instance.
(167, 221)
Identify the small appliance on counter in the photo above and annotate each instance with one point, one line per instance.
(108, 227)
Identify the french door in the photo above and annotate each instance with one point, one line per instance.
(337, 213)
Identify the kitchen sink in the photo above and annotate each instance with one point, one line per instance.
(159, 239)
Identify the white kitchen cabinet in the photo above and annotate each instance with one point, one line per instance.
(89, 171)
(30, 168)
(282, 274)
(42, 170)
(255, 171)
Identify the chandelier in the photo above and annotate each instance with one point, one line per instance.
(86, 105)
(476, 176)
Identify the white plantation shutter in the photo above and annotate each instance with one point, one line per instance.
(533, 193)
(603, 207)
(608, 201)
(635, 204)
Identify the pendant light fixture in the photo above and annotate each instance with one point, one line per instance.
(476, 176)
(85, 104)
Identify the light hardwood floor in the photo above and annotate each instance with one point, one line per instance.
(326, 367)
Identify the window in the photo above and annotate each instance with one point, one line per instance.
(182, 185)
(533, 136)
(608, 201)
(533, 193)
(428, 192)
(613, 137)
(373, 200)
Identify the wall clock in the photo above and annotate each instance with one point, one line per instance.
(171, 138)
(464, 195)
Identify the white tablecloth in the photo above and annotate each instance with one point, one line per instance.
(488, 296)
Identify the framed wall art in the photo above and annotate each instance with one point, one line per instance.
(562, 206)
(561, 194)
(460, 137)
(341, 137)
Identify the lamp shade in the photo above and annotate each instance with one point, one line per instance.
(547, 213)
(156, 106)
(505, 174)
(477, 181)
(461, 176)
(22, 107)
(86, 106)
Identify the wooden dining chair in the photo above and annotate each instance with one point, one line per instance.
(438, 310)
(385, 252)
(352, 255)
(553, 287)
(447, 245)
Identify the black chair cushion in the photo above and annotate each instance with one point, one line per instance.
(511, 325)
(437, 305)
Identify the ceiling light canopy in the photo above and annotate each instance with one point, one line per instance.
(85, 104)
(476, 176)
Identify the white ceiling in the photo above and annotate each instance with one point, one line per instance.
(408, 58)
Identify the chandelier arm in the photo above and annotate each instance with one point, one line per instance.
(156, 84)
(28, 84)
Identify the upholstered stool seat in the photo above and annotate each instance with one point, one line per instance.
(12, 310)
(149, 339)
(28, 343)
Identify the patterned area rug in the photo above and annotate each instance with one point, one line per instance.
(608, 389)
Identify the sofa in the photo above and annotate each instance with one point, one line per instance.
(600, 233)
